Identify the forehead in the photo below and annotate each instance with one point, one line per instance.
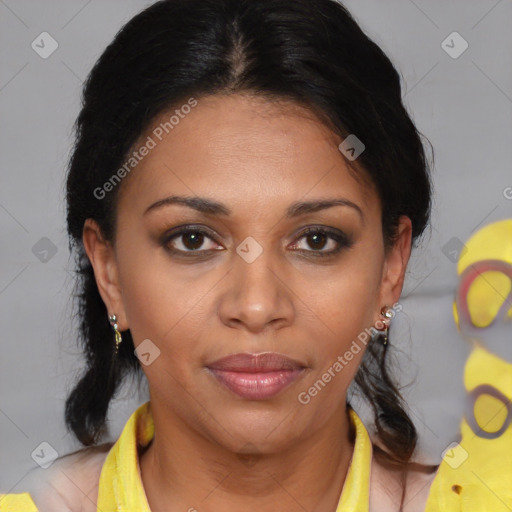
(243, 150)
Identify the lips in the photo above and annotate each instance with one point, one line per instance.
(256, 363)
(256, 376)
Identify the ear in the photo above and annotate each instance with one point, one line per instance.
(102, 257)
(395, 264)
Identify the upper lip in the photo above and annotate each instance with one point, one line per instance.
(256, 363)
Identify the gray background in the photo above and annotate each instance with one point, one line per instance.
(463, 105)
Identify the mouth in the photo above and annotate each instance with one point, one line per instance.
(256, 376)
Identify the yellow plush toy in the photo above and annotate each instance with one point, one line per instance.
(481, 463)
(483, 313)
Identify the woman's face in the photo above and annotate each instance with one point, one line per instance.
(253, 280)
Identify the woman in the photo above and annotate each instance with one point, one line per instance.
(243, 195)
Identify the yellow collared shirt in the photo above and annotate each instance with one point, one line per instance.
(468, 488)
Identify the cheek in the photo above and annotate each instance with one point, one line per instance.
(348, 301)
(344, 307)
(162, 300)
(340, 333)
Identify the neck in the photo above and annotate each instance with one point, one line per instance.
(183, 470)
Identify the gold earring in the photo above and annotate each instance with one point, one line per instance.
(386, 314)
(113, 323)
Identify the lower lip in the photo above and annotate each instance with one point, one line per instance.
(256, 386)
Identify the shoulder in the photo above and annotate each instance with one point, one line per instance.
(386, 487)
(70, 484)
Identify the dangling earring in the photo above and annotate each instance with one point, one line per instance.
(386, 315)
(113, 322)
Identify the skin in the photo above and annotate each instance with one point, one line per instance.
(213, 450)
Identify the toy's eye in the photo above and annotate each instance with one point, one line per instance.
(484, 294)
(489, 412)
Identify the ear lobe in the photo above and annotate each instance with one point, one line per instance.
(395, 263)
(102, 257)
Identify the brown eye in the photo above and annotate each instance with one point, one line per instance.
(192, 240)
(317, 240)
(189, 241)
(322, 241)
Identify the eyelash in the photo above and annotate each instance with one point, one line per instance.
(339, 237)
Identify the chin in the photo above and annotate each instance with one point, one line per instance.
(257, 431)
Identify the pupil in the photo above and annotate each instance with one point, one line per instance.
(196, 240)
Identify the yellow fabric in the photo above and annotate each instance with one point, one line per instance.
(121, 489)
(121, 486)
(481, 483)
(17, 503)
(492, 242)
(355, 494)
(484, 367)
(477, 476)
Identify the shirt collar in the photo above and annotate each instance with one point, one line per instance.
(121, 489)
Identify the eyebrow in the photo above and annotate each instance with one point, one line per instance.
(211, 207)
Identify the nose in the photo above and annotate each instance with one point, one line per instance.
(257, 292)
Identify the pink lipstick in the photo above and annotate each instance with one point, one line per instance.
(256, 376)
